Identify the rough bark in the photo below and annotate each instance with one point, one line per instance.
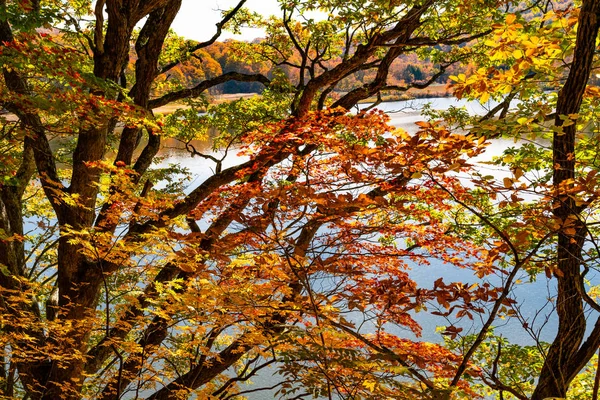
(78, 278)
(563, 358)
(148, 48)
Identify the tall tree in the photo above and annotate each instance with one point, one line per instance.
(570, 350)
(120, 269)
(295, 256)
(528, 49)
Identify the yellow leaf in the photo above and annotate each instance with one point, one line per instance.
(370, 384)
(510, 18)
(517, 54)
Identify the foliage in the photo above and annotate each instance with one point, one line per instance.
(122, 277)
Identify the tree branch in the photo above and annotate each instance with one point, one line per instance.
(207, 43)
(205, 85)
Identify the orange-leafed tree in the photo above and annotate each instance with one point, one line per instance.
(120, 279)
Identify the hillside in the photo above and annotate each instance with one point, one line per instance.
(233, 56)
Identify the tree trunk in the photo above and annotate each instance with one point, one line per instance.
(562, 362)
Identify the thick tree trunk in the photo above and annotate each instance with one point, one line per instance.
(79, 278)
(562, 362)
(148, 48)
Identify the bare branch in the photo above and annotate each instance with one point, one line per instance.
(205, 85)
(207, 43)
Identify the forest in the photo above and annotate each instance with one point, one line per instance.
(313, 248)
(230, 56)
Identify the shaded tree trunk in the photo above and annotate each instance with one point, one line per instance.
(567, 355)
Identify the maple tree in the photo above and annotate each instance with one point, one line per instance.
(118, 281)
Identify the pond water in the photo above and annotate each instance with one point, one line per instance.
(533, 296)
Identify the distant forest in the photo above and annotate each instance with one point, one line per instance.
(231, 56)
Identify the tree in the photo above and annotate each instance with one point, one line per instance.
(569, 187)
(296, 258)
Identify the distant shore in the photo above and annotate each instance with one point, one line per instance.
(433, 91)
(215, 99)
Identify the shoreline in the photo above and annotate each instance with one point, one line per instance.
(433, 92)
(438, 91)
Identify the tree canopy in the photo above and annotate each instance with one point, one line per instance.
(123, 277)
